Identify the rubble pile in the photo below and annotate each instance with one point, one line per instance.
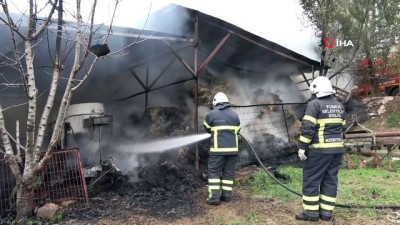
(165, 190)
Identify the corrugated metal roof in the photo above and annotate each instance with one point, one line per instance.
(177, 19)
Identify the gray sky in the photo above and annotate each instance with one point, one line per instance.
(280, 21)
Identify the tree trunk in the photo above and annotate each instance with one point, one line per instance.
(323, 54)
(25, 196)
(371, 72)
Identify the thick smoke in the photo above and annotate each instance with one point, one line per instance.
(255, 82)
(264, 126)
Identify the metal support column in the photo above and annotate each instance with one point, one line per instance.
(146, 100)
(312, 71)
(196, 95)
(286, 125)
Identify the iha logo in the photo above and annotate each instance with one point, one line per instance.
(330, 42)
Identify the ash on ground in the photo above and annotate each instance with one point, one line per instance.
(164, 190)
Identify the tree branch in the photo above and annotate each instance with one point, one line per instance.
(9, 156)
(347, 65)
(86, 75)
(10, 23)
(134, 42)
(112, 21)
(105, 40)
(13, 29)
(47, 21)
(80, 39)
(67, 93)
(12, 138)
(53, 86)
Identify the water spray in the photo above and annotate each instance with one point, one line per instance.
(162, 145)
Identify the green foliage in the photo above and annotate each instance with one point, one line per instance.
(393, 119)
(37, 182)
(56, 218)
(34, 222)
(252, 217)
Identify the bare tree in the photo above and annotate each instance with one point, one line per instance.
(23, 62)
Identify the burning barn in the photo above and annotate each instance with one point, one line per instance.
(159, 82)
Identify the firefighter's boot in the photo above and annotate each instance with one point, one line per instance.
(304, 217)
(214, 197)
(226, 196)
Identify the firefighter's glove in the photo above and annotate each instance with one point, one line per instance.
(302, 154)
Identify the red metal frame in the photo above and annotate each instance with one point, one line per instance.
(62, 179)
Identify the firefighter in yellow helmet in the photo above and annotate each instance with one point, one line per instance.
(321, 147)
(223, 123)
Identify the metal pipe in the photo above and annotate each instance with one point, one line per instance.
(180, 59)
(152, 37)
(213, 53)
(286, 125)
(157, 56)
(138, 79)
(196, 72)
(289, 103)
(138, 35)
(300, 82)
(259, 44)
(146, 100)
(354, 137)
(388, 134)
(160, 87)
(304, 76)
(162, 72)
(312, 72)
(82, 173)
(378, 134)
(358, 132)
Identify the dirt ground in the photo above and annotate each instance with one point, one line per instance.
(245, 208)
(373, 112)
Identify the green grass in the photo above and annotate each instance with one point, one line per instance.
(369, 186)
(358, 186)
(261, 183)
(236, 223)
(252, 217)
(393, 119)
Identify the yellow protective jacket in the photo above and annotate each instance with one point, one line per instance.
(323, 126)
(223, 123)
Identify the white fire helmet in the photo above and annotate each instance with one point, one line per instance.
(220, 98)
(321, 86)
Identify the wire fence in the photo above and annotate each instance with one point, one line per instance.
(272, 129)
(61, 180)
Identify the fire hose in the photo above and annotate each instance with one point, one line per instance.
(299, 194)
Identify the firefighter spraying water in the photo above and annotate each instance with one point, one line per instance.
(223, 123)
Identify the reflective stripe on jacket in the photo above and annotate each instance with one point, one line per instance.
(323, 125)
(223, 123)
